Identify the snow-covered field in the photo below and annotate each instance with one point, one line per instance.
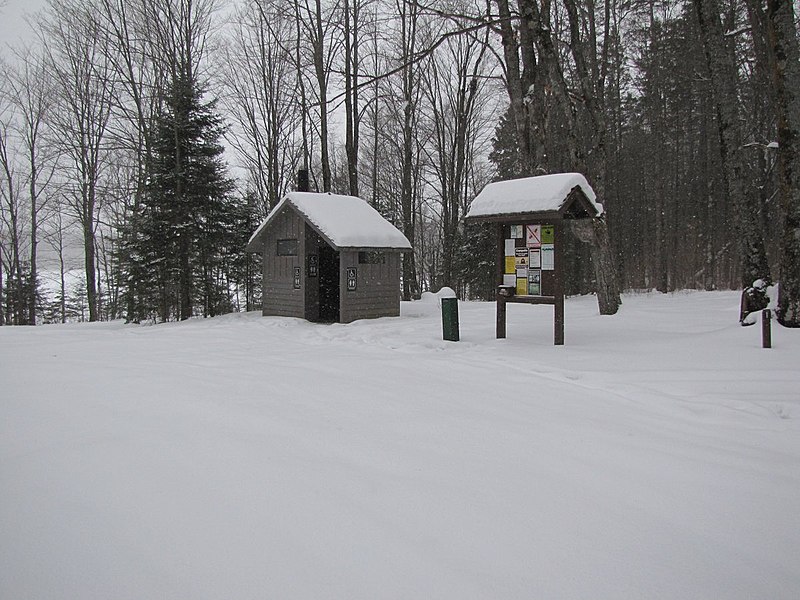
(656, 455)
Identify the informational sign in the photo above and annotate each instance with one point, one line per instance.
(510, 244)
(522, 286)
(522, 273)
(521, 258)
(516, 232)
(533, 236)
(313, 265)
(511, 264)
(297, 278)
(548, 234)
(352, 279)
(535, 283)
(548, 257)
(535, 258)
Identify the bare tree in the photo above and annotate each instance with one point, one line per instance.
(548, 99)
(410, 71)
(32, 93)
(453, 82)
(83, 76)
(11, 221)
(316, 26)
(722, 68)
(260, 77)
(784, 59)
(354, 24)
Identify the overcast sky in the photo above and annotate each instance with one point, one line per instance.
(13, 27)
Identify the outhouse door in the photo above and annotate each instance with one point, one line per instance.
(328, 284)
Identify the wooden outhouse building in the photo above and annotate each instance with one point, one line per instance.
(329, 258)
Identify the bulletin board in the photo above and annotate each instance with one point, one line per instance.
(529, 259)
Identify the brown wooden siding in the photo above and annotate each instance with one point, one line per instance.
(312, 244)
(280, 297)
(378, 289)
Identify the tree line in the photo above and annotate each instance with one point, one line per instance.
(154, 135)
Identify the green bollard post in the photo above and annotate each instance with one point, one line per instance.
(450, 319)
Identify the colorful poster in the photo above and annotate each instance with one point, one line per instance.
(516, 232)
(510, 280)
(548, 234)
(511, 264)
(510, 247)
(522, 286)
(535, 282)
(535, 258)
(548, 257)
(533, 235)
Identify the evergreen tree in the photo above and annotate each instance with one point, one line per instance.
(175, 260)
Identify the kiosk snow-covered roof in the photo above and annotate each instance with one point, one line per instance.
(545, 196)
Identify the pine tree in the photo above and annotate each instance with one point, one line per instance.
(174, 261)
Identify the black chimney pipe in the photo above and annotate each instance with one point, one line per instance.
(302, 180)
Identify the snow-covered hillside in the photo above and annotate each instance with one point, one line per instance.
(656, 455)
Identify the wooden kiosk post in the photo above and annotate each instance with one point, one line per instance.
(530, 223)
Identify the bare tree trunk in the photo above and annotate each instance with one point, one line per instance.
(785, 59)
(322, 83)
(75, 58)
(536, 21)
(516, 87)
(722, 69)
(351, 67)
(2, 289)
(409, 83)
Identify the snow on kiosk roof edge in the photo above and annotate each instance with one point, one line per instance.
(540, 194)
(345, 221)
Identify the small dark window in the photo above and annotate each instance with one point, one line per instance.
(287, 247)
(372, 258)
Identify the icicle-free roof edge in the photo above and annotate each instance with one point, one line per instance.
(544, 194)
(344, 221)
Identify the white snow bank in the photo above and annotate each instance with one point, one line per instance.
(445, 292)
(655, 455)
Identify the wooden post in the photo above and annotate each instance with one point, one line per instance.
(766, 333)
(501, 269)
(558, 293)
(500, 255)
(501, 317)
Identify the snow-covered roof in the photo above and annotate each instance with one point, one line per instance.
(344, 221)
(542, 194)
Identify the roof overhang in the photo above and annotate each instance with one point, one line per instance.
(572, 198)
(256, 242)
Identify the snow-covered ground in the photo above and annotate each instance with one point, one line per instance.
(656, 455)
